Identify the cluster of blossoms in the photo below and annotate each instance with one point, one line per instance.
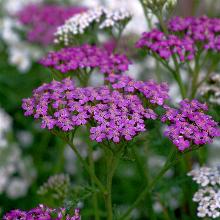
(211, 89)
(189, 125)
(205, 176)
(186, 36)
(208, 195)
(99, 17)
(114, 115)
(42, 20)
(84, 57)
(42, 212)
(57, 185)
(202, 30)
(167, 45)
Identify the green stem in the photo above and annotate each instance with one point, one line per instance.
(111, 162)
(178, 78)
(195, 77)
(146, 14)
(169, 163)
(162, 23)
(176, 73)
(84, 163)
(92, 170)
(144, 175)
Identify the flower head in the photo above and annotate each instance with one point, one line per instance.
(165, 46)
(185, 37)
(189, 125)
(116, 113)
(84, 57)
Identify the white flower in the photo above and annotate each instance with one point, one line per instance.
(16, 188)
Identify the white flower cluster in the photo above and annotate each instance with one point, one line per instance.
(208, 195)
(100, 17)
(212, 89)
(16, 172)
(21, 53)
(206, 176)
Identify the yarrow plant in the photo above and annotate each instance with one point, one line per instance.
(208, 195)
(42, 212)
(182, 41)
(116, 116)
(99, 18)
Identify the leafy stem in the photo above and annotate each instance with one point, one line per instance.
(173, 158)
(92, 170)
(84, 163)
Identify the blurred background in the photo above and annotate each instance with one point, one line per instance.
(29, 155)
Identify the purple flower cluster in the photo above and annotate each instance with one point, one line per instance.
(42, 212)
(86, 56)
(43, 20)
(113, 113)
(167, 45)
(202, 30)
(186, 36)
(189, 125)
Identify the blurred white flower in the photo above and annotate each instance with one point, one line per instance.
(24, 137)
(5, 126)
(14, 6)
(17, 187)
